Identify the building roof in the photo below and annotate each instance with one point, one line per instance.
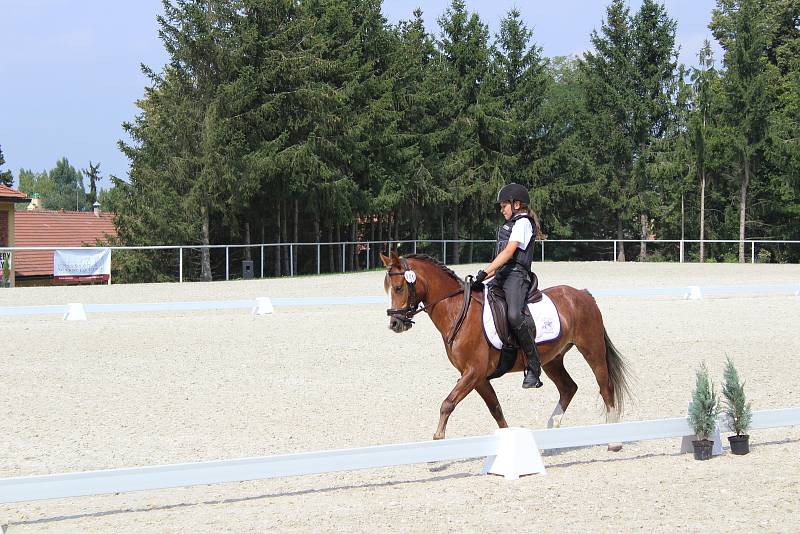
(41, 228)
(12, 195)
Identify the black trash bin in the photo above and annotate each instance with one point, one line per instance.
(247, 269)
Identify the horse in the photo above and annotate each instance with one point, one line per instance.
(417, 283)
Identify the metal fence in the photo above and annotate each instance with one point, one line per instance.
(181, 263)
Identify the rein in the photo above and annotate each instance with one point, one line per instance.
(406, 313)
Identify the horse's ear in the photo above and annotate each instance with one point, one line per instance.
(386, 260)
(395, 257)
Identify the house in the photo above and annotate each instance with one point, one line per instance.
(42, 228)
(8, 198)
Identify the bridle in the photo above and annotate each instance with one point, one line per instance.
(413, 307)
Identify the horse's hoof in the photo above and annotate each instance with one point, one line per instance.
(438, 436)
(614, 447)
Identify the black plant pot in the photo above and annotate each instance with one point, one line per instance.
(740, 444)
(702, 449)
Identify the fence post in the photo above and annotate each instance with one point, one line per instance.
(681, 253)
(180, 265)
(343, 256)
(415, 246)
(291, 260)
(752, 251)
(317, 257)
(444, 251)
(262, 261)
(227, 263)
(615, 251)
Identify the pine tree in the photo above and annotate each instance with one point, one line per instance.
(608, 127)
(415, 186)
(517, 86)
(700, 126)
(467, 164)
(741, 29)
(180, 157)
(655, 62)
(93, 173)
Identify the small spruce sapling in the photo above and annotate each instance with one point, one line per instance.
(705, 405)
(736, 407)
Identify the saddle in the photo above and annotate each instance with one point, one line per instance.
(496, 300)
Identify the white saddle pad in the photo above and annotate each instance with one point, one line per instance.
(545, 315)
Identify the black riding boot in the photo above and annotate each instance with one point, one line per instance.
(533, 368)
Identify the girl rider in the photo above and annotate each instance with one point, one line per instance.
(511, 268)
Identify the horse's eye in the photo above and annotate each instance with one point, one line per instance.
(398, 289)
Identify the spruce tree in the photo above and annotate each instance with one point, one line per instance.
(608, 72)
(467, 165)
(741, 29)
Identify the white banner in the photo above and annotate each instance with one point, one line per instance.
(89, 262)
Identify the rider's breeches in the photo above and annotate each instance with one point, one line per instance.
(516, 289)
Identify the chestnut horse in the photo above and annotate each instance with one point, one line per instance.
(421, 283)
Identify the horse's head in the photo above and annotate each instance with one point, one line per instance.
(400, 283)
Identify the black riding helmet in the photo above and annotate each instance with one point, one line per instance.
(512, 192)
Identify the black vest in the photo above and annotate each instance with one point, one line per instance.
(522, 259)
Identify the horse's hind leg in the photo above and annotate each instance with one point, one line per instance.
(465, 384)
(594, 352)
(489, 396)
(567, 387)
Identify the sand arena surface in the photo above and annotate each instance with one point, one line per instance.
(133, 389)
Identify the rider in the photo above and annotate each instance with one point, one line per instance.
(511, 268)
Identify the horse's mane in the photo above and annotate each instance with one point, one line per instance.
(437, 263)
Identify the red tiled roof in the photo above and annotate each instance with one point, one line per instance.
(55, 229)
(7, 193)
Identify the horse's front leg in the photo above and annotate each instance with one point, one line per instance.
(465, 384)
(489, 396)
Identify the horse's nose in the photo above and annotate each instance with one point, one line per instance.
(395, 324)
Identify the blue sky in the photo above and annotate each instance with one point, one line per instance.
(70, 68)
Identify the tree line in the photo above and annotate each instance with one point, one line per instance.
(279, 121)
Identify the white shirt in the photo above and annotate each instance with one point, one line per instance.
(522, 233)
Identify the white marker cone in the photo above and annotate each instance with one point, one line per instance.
(75, 312)
(517, 454)
(694, 293)
(263, 306)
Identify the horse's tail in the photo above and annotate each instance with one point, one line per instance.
(618, 373)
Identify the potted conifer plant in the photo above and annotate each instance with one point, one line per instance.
(703, 413)
(737, 409)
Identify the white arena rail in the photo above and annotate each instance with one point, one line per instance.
(693, 292)
(40, 487)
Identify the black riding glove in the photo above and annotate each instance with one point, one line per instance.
(477, 283)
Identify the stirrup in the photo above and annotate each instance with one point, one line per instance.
(531, 381)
